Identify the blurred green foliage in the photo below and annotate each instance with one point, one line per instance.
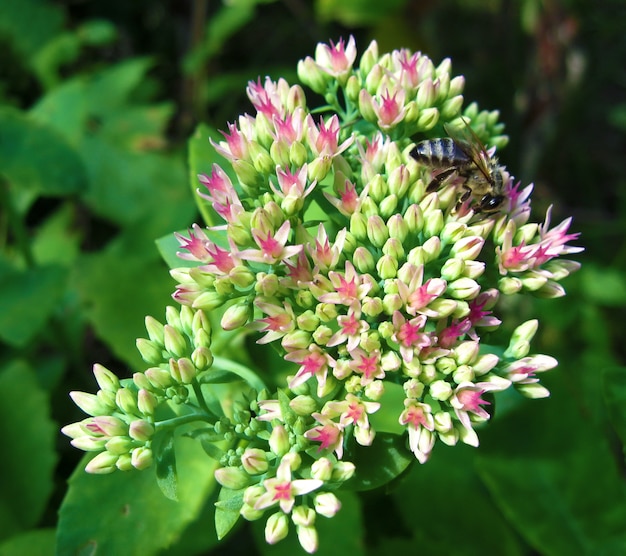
(96, 103)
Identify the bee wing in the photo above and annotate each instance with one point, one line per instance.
(466, 139)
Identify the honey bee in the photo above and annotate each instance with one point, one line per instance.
(462, 153)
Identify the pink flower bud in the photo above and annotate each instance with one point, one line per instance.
(276, 528)
(141, 458)
(102, 464)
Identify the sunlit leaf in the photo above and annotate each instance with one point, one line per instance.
(227, 510)
(126, 513)
(165, 461)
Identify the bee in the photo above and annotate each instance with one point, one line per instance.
(462, 153)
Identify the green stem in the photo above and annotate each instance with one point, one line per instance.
(200, 396)
(182, 420)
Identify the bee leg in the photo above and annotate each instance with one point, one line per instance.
(467, 192)
(439, 179)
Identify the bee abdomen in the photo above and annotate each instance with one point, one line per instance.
(441, 152)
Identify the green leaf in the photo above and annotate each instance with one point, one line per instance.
(119, 291)
(380, 463)
(27, 300)
(552, 474)
(126, 513)
(168, 246)
(445, 491)
(614, 383)
(227, 510)
(38, 542)
(59, 170)
(30, 23)
(165, 459)
(29, 457)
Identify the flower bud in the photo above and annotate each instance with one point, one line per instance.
(141, 430)
(343, 470)
(456, 85)
(463, 288)
(149, 351)
(141, 458)
(387, 267)
(427, 119)
(236, 316)
(119, 445)
(550, 290)
(463, 373)
(105, 378)
(414, 219)
(146, 402)
(509, 285)
(276, 528)
(451, 107)
(126, 400)
(372, 306)
(90, 403)
(254, 461)
(363, 260)
(303, 405)
(103, 463)
(159, 378)
(298, 339)
(318, 169)
(388, 206)
(232, 477)
(433, 223)
(390, 361)
(321, 469)
(369, 58)
(377, 231)
(279, 441)
(533, 391)
(174, 341)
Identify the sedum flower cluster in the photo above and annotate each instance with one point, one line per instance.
(331, 248)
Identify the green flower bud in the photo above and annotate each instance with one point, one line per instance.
(343, 470)
(276, 528)
(378, 189)
(353, 88)
(452, 269)
(321, 469)
(426, 93)
(369, 58)
(433, 223)
(202, 358)
(397, 227)
(304, 299)
(377, 231)
(141, 430)
(149, 351)
(312, 75)
(358, 226)
(363, 260)
(463, 288)
(387, 267)
(440, 390)
(533, 391)
(236, 316)
(466, 352)
(366, 106)
(474, 269)
(90, 403)
(298, 155)
(119, 445)
(392, 303)
(550, 290)
(464, 373)
(174, 341)
(318, 169)
(445, 365)
(509, 285)
(532, 280)
(172, 317)
(141, 458)
(159, 378)
(390, 361)
(451, 107)
(519, 345)
(279, 441)
(126, 400)
(303, 405)
(254, 461)
(233, 478)
(457, 84)
(428, 118)
(322, 335)
(444, 306)
(372, 306)
(105, 378)
(103, 463)
(279, 151)
(414, 219)
(146, 402)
